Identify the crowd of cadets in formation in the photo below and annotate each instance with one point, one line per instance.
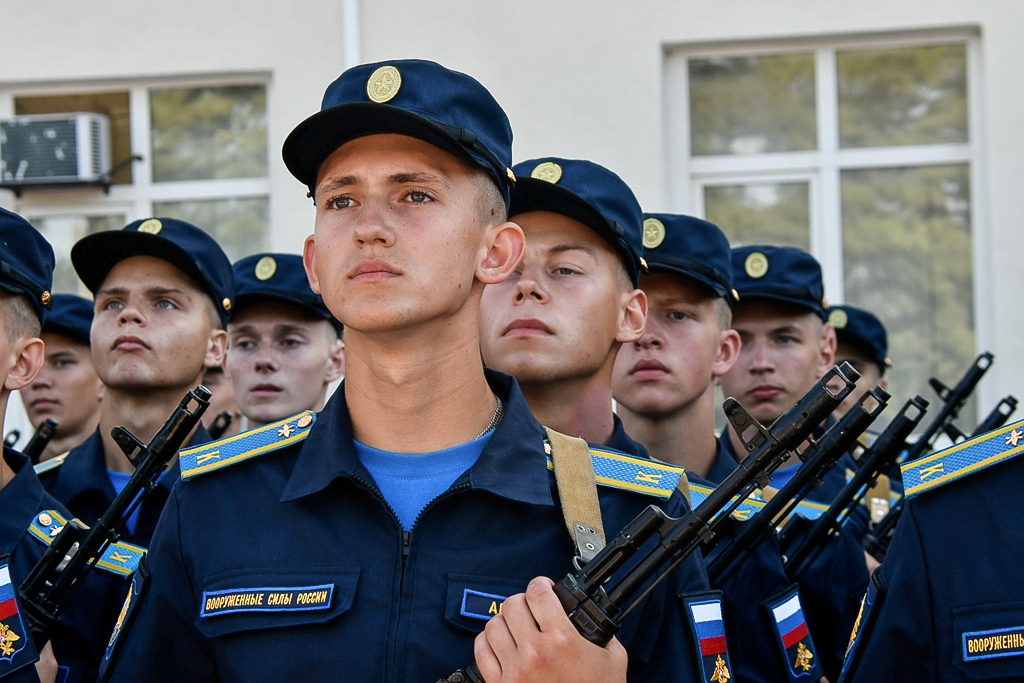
(582, 298)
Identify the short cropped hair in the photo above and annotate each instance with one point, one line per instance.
(19, 317)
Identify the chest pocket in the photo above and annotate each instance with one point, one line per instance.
(988, 641)
(246, 600)
(473, 600)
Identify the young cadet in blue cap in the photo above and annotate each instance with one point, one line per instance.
(862, 342)
(947, 603)
(30, 515)
(284, 346)
(664, 384)
(786, 346)
(163, 289)
(67, 388)
(318, 544)
(557, 323)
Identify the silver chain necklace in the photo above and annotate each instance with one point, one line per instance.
(495, 419)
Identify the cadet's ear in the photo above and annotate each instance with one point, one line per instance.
(503, 249)
(26, 360)
(633, 317)
(216, 348)
(336, 362)
(828, 349)
(728, 352)
(308, 251)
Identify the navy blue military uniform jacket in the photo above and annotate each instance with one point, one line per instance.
(81, 483)
(78, 641)
(947, 603)
(291, 565)
(756, 647)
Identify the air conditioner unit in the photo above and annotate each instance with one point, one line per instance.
(54, 149)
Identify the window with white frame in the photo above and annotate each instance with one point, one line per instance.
(201, 154)
(862, 151)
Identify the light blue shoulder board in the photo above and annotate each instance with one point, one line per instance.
(51, 464)
(963, 459)
(753, 503)
(119, 558)
(239, 447)
(627, 472)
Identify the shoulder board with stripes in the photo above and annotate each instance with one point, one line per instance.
(250, 444)
(753, 503)
(963, 459)
(51, 464)
(119, 558)
(627, 472)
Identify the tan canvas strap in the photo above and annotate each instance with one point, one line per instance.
(577, 489)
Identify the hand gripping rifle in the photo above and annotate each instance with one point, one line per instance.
(40, 439)
(877, 540)
(77, 547)
(874, 461)
(818, 458)
(597, 608)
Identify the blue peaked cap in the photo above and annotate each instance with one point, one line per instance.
(692, 247)
(71, 316)
(411, 97)
(277, 277)
(186, 247)
(784, 274)
(862, 329)
(26, 261)
(588, 193)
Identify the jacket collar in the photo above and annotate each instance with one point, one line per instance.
(513, 465)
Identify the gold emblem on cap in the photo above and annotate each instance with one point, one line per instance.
(383, 84)
(265, 268)
(654, 233)
(547, 171)
(838, 318)
(45, 519)
(756, 264)
(152, 226)
(45, 298)
(304, 421)
(226, 303)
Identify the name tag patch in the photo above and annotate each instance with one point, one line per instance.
(1003, 642)
(287, 599)
(477, 605)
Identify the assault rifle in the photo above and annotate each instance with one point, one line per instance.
(877, 540)
(11, 438)
(875, 460)
(78, 547)
(597, 607)
(40, 439)
(818, 457)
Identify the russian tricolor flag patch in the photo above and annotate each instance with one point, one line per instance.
(13, 636)
(791, 627)
(705, 614)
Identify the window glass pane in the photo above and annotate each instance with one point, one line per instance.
(907, 258)
(209, 133)
(902, 96)
(761, 213)
(240, 226)
(62, 232)
(752, 104)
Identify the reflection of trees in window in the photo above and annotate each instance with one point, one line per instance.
(240, 226)
(907, 258)
(761, 213)
(752, 104)
(64, 231)
(209, 133)
(902, 96)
